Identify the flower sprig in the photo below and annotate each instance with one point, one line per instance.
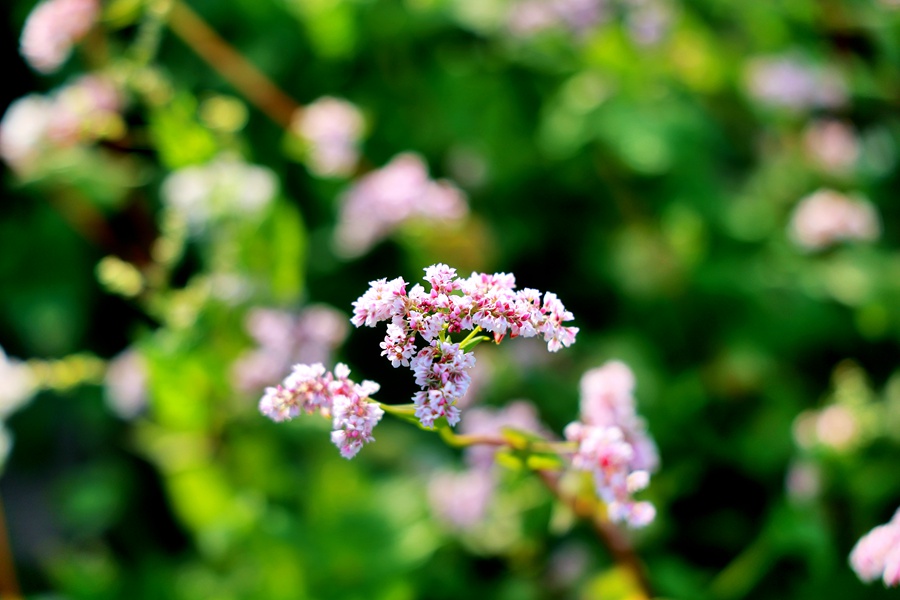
(609, 442)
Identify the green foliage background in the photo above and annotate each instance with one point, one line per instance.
(642, 184)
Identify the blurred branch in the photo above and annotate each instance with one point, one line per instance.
(231, 65)
(612, 537)
(9, 586)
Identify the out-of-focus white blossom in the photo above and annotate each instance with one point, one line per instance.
(51, 30)
(793, 83)
(126, 384)
(332, 127)
(224, 187)
(17, 386)
(86, 110)
(827, 217)
(877, 554)
(384, 199)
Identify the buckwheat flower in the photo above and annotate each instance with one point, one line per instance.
(613, 444)
(603, 452)
(51, 30)
(379, 303)
(310, 388)
(383, 200)
(877, 554)
(398, 345)
(454, 305)
(607, 400)
(354, 419)
(827, 217)
(333, 128)
(793, 83)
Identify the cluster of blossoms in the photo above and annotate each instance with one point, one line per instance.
(613, 444)
(647, 21)
(791, 82)
(52, 28)
(383, 200)
(826, 217)
(285, 338)
(310, 388)
(225, 186)
(461, 498)
(84, 111)
(332, 127)
(480, 302)
(877, 554)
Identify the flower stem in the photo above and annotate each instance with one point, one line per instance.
(231, 64)
(612, 537)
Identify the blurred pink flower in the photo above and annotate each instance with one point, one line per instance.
(877, 554)
(520, 415)
(832, 144)
(333, 128)
(461, 498)
(827, 217)
(791, 82)
(284, 338)
(613, 444)
(83, 111)
(51, 30)
(383, 200)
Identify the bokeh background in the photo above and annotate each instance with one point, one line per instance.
(181, 245)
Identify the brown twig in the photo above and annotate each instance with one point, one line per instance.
(9, 586)
(231, 65)
(612, 537)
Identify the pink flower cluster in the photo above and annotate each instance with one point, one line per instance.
(310, 388)
(383, 200)
(826, 217)
(52, 28)
(877, 554)
(332, 127)
(613, 444)
(483, 301)
(87, 109)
